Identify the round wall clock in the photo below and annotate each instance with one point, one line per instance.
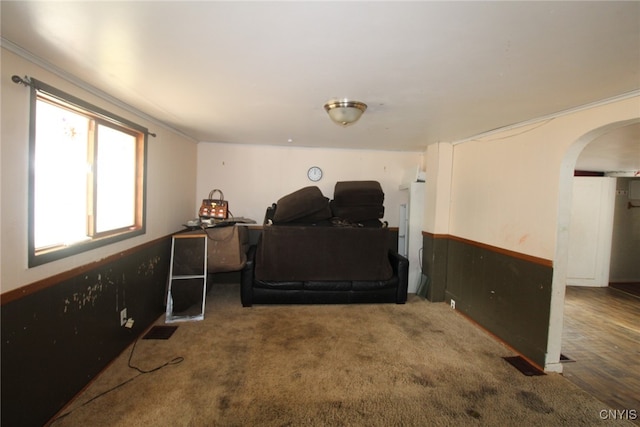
(314, 173)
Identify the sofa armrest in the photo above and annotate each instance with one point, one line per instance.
(246, 278)
(400, 267)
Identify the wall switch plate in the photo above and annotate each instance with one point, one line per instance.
(123, 316)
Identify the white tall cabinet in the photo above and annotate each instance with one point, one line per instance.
(410, 231)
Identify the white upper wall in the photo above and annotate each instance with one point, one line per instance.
(252, 177)
(438, 189)
(171, 178)
(506, 187)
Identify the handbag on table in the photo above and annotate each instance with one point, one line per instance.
(214, 208)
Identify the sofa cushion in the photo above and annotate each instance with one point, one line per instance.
(358, 193)
(328, 285)
(316, 253)
(357, 213)
(284, 285)
(369, 285)
(303, 203)
(323, 214)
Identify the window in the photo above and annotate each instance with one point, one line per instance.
(87, 176)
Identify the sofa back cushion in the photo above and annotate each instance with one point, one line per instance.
(358, 193)
(308, 203)
(313, 253)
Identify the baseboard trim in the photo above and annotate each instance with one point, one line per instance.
(500, 340)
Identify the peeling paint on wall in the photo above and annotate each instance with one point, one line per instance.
(87, 297)
(148, 267)
(90, 295)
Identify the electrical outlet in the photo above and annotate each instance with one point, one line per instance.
(123, 316)
(129, 323)
(453, 304)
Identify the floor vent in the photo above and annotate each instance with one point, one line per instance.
(523, 366)
(565, 359)
(160, 333)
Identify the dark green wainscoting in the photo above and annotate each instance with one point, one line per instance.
(434, 265)
(58, 334)
(507, 293)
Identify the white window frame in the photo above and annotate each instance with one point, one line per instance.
(99, 117)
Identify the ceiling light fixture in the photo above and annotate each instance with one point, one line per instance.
(345, 112)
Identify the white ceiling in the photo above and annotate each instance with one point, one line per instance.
(260, 72)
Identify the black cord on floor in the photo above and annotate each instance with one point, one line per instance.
(174, 361)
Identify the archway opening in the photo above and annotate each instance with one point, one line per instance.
(560, 263)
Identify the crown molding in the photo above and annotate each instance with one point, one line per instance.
(25, 54)
(549, 117)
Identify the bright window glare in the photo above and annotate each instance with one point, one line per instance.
(116, 179)
(60, 199)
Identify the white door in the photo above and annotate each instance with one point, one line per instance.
(590, 231)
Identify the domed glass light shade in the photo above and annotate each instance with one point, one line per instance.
(345, 112)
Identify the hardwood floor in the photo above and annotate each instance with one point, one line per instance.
(602, 337)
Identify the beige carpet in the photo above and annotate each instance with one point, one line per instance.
(345, 365)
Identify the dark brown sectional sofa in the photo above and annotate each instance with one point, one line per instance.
(308, 255)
